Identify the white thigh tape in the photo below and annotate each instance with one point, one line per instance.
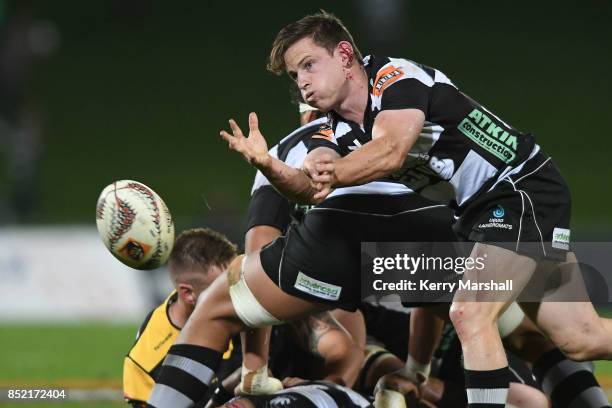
(247, 307)
(510, 320)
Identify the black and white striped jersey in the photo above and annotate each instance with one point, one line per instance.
(269, 207)
(462, 142)
(312, 394)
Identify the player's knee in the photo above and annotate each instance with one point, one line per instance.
(470, 318)
(587, 343)
(582, 348)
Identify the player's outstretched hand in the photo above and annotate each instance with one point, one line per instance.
(254, 148)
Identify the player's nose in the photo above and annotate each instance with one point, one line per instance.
(303, 83)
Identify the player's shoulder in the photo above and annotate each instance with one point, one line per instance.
(155, 336)
(384, 70)
(303, 131)
(292, 149)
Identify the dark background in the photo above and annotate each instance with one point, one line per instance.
(137, 89)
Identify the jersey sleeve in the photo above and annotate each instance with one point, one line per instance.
(323, 137)
(402, 84)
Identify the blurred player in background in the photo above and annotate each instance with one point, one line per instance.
(198, 257)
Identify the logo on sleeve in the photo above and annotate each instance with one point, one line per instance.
(317, 288)
(386, 77)
(324, 132)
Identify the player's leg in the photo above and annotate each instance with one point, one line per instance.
(573, 325)
(231, 304)
(474, 315)
(567, 383)
(524, 396)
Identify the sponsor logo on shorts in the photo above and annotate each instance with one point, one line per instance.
(499, 212)
(489, 135)
(497, 219)
(561, 238)
(317, 288)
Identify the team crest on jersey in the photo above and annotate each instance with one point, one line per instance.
(386, 77)
(324, 132)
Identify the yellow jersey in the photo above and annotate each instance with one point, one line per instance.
(142, 364)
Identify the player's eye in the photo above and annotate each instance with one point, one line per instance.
(308, 65)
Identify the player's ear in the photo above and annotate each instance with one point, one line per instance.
(346, 52)
(187, 293)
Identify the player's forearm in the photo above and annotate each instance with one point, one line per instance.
(289, 181)
(374, 160)
(427, 327)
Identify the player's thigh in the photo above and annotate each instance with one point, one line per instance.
(562, 300)
(278, 303)
(494, 264)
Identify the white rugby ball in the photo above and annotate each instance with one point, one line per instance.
(135, 224)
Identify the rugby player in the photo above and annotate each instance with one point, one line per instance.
(255, 298)
(563, 380)
(198, 257)
(268, 216)
(381, 108)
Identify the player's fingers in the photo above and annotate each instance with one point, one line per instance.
(253, 122)
(321, 167)
(226, 136)
(325, 158)
(321, 177)
(319, 196)
(235, 128)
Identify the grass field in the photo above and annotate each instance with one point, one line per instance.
(85, 357)
(74, 356)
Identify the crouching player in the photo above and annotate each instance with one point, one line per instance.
(198, 257)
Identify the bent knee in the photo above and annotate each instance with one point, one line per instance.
(472, 317)
(582, 349)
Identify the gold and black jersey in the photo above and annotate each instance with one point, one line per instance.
(142, 364)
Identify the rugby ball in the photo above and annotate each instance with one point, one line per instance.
(135, 224)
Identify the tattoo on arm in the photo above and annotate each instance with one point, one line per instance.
(310, 330)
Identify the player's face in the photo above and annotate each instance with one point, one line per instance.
(319, 75)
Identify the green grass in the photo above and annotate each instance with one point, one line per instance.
(71, 351)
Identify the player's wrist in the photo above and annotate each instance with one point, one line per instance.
(416, 371)
(263, 162)
(258, 381)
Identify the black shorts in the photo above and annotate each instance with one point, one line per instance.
(528, 213)
(319, 259)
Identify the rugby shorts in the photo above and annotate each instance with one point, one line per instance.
(319, 259)
(528, 213)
